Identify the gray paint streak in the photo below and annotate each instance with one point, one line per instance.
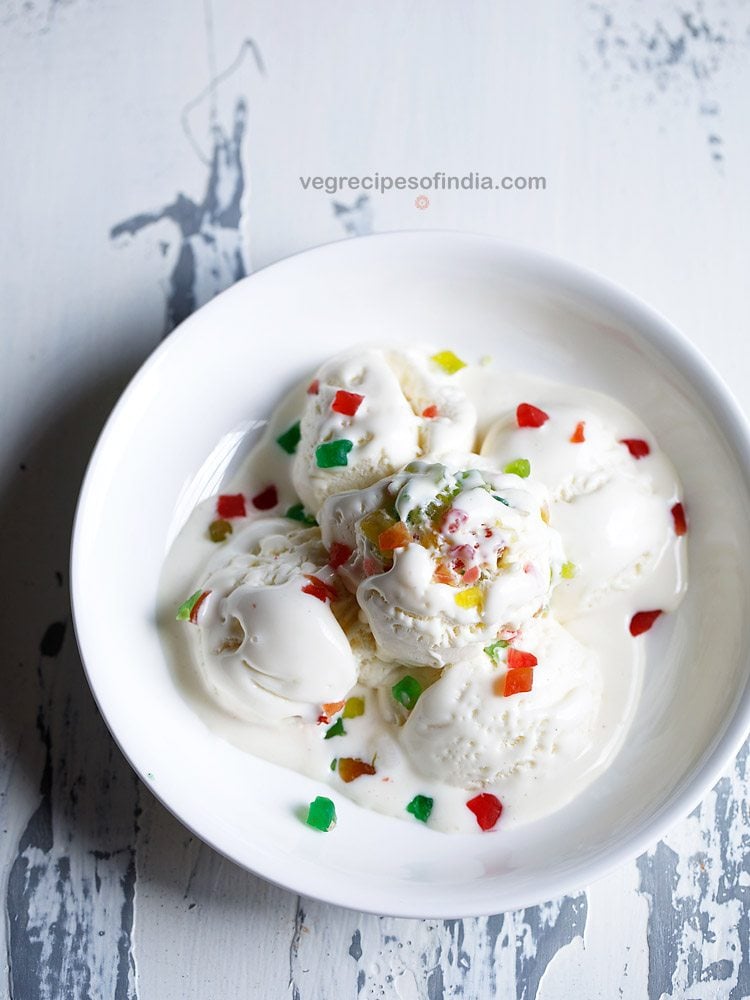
(551, 927)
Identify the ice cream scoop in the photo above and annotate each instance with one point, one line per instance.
(464, 732)
(444, 558)
(370, 411)
(256, 666)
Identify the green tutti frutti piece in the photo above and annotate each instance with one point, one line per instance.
(448, 361)
(353, 708)
(337, 729)
(290, 439)
(334, 762)
(494, 648)
(502, 499)
(568, 570)
(520, 467)
(297, 512)
(331, 454)
(185, 609)
(321, 814)
(219, 530)
(407, 691)
(420, 807)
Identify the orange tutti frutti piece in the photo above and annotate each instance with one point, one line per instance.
(515, 681)
(351, 768)
(395, 537)
(578, 437)
(331, 707)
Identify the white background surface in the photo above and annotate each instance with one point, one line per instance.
(636, 113)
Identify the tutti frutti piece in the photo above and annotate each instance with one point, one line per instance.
(578, 436)
(219, 530)
(407, 691)
(318, 588)
(266, 499)
(642, 621)
(188, 610)
(519, 467)
(332, 454)
(637, 447)
(290, 439)
(486, 808)
(530, 416)
(321, 814)
(297, 512)
(351, 768)
(337, 729)
(230, 505)
(338, 554)
(346, 403)
(448, 361)
(420, 807)
(679, 519)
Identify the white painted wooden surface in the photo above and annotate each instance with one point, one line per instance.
(151, 152)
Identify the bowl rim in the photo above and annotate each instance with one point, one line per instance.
(660, 334)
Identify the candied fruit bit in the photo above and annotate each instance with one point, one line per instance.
(487, 809)
(321, 814)
(230, 505)
(353, 708)
(430, 412)
(395, 537)
(189, 607)
(642, 621)
(333, 764)
(219, 529)
(346, 402)
(290, 439)
(317, 588)
(568, 570)
(637, 447)
(578, 437)
(266, 499)
(520, 467)
(501, 499)
(517, 659)
(443, 574)
(530, 416)
(420, 807)
(448, 361)
(407, 691)
(515, 682)
(493, 650)
(374, 524)
(680, 521)
(471, 575)
(313, 388)
(331, 707)
(371, 567)
(297, 512)
(472, 597)
(333, 454)
(351, 768)
(337, 729)
(338, 555)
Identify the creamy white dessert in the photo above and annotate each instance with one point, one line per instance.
(428, 586)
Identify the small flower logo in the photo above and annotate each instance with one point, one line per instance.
(422, 202)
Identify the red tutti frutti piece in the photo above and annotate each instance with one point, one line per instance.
(637, 447)
(578, 437)
(453, 520)
(471, 575)
(346, 402)
(197, 606)
(317, 588)
(430, 412)
(266, 499)
(517, 659)
(487, 809)
(230, 505)
(339, 554)
(371, 567)
(518, 681)
(642, 621)
(313, 388)
(530, 416)
(680, 521)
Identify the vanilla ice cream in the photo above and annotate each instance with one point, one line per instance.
(257, 666)
(367, 413)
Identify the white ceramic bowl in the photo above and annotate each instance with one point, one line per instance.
(202, 397)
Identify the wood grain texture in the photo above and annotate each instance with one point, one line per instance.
(153, 156)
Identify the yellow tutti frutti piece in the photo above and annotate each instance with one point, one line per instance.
(374, 524)
(472, 597)
(568, 571)
(449, 362)
(353, 708)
